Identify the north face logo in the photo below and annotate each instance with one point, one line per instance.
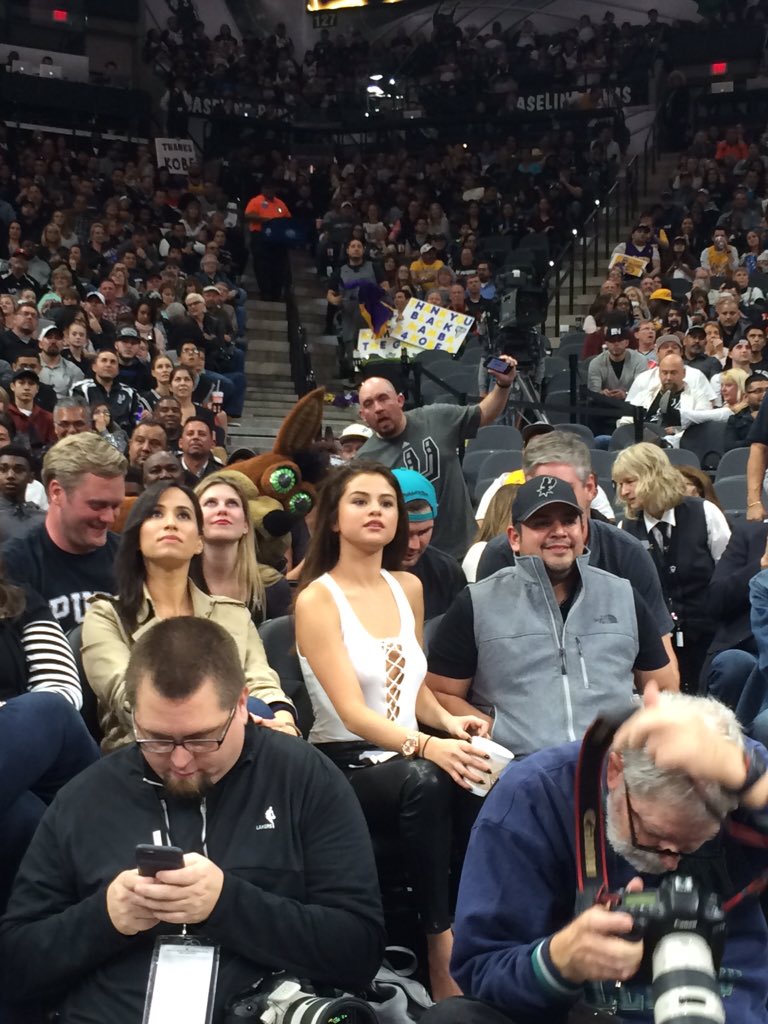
(546, 487)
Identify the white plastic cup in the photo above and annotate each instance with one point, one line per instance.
(217, 398)
(499, 758)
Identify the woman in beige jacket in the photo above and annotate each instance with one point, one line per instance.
(162, 534)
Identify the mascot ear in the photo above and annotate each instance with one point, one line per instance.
(303, 424)
(313, 464)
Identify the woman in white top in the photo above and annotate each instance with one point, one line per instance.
(358, 633)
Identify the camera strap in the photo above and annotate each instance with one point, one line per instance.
(589, 816)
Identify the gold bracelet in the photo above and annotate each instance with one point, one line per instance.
(751, 503)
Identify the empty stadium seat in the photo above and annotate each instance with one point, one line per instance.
(496, 437)
(496, 463)
(732, 494)
(733, 463)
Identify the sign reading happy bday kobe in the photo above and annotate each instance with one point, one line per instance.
(425, 326)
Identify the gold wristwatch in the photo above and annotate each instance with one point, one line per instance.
(410, 748)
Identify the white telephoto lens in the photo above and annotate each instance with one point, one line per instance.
(684, 981)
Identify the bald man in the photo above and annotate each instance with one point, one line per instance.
(427, 440)
(673, 396)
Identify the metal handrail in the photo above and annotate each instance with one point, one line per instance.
(302, 374)
(622, 196)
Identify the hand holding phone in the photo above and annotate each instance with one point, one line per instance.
(498, 365)
(151, 859)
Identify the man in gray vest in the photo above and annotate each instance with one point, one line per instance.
(357, 268)
(543, 647)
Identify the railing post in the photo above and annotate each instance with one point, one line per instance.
(645, 170)
(584, 256)
(571, 276)
(558, 282)
(596, 241)
(573, 385)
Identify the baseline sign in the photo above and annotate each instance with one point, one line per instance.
(576, 99)
(175, 154)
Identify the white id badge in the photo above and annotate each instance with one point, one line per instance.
(182, 981)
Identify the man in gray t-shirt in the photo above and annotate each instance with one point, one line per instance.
(428, 440)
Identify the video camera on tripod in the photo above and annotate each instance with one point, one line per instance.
(522, 309)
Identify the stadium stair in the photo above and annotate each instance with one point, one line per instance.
(665, 167)
(271, 392)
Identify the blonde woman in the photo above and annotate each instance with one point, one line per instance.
(732, 385)
(685, 536)
(639, 305)
(229, 565)
(497, 518)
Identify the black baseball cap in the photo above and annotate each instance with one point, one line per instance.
(538, 493)
(26, 374)
(128, 334)
(535, 430)
(617, 331)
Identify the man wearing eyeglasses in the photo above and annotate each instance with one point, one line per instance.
(278, 869)
(738, 426)
(677, 769)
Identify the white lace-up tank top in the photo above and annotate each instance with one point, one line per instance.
(390, 670)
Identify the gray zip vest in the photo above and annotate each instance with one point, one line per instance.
(544, 680)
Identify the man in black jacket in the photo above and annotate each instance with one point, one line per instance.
(278, 868)
(731, 655)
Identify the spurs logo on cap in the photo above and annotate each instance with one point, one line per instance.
(546, 487)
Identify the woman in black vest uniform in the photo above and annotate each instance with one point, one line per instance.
(685, 537)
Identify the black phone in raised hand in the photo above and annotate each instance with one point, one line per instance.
(497, 365)
(151, 859)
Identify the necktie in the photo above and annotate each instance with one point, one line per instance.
(660, 535)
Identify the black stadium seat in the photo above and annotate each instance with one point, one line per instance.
(732, 494)
(279, 639)
(708, 441)
(733, 463)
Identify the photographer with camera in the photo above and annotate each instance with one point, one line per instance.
(677, 769)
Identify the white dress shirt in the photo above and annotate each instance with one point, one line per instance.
(718, 530)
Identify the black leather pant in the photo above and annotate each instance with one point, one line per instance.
(415, 800)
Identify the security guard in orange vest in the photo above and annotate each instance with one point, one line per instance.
(270, 258)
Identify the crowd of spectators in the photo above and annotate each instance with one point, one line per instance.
(446, 68)
(203, 677)
(688, 287)
(103, 250)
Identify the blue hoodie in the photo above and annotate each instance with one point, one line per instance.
(518, 888)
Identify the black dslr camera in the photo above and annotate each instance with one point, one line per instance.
(283, 998)
(676, 910)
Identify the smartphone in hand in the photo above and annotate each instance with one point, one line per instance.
(151, 859)
(497, 365)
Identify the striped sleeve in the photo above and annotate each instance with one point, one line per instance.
(51, 666)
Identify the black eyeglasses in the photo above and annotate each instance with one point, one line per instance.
(192, 746)
(662, 851)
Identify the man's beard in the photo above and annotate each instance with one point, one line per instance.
(644, 862)
(194, 787)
